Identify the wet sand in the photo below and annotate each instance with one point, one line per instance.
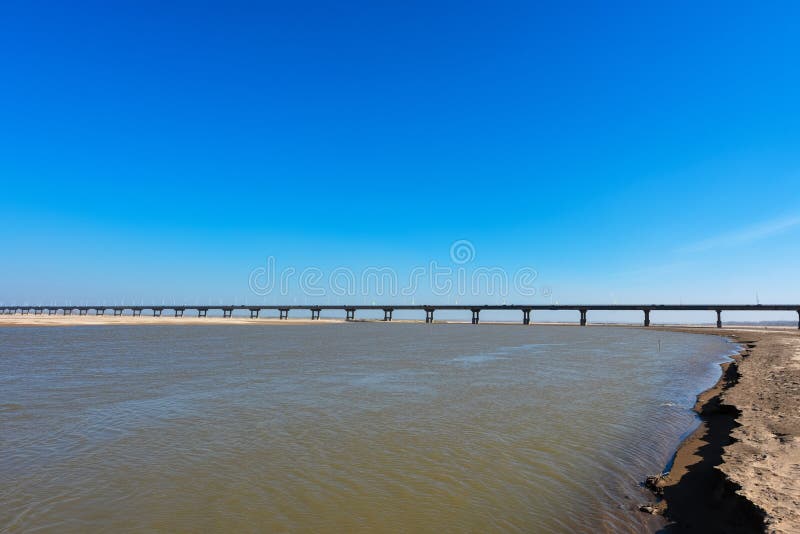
(740, 470)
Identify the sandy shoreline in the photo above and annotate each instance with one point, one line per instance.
(738, 472)
(87, 320)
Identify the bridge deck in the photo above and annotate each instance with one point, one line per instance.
(388, 309)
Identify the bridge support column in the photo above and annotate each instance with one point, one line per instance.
(476, 316)
(315, 314)
(429, 315)
(37, 312)
(226, 312)
(798, 319)
(136, 313)
(350, 314)
(117, 311)
(387, 314)
(202, 312)
(646, 317)
(83, 311)
(67, 311)
(526, 316)
(283, 313)
(51, 311)
(100, 311)
(156, 312)
(178, 312)
(719, 318)
(254, 314)
(583, 317)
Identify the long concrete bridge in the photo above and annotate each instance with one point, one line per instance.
(350, 311)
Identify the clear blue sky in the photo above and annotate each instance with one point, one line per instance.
(627, 152)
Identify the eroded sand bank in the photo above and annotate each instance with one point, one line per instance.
(740, 470)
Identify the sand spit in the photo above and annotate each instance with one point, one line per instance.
(740, 470)
(97, 320)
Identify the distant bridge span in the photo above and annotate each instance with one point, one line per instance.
(388, 309)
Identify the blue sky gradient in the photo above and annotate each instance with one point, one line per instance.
(627, 152)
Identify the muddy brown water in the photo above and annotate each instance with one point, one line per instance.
(364, 427)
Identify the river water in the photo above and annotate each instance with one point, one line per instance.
(365, 427)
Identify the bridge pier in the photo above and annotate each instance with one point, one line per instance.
(51, 311)
(136, 313)
(526, 316)
(156, 312)
(583, 317)
(226, 312)
(350, 314)
(315, 314)
(83, 311)
(178, 312)
(719, 318)
(429, 315)
(254, 313)
(67, 311)
(202, 312)
(387, 314)
(117, 311)
(100, 311)
(646, 317)
(37, 312)
(798, 319)
(283, 313)
(476, 315)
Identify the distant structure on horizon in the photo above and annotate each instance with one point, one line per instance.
(350, 311)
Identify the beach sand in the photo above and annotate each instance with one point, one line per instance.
(738, 472)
